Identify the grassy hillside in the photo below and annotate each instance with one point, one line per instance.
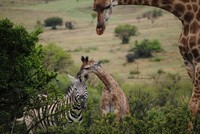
(84, 40)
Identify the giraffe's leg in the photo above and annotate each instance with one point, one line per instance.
(105, 102)
(127, 111)
(195, 99)
(191, 72)
(116, 104)
(190, 69)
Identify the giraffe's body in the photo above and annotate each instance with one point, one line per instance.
(113, 98)
(188, 12)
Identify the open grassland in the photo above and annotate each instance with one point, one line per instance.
(84, 41)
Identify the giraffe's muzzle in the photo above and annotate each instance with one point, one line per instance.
(100, 28)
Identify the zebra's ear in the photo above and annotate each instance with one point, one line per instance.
(73, 79)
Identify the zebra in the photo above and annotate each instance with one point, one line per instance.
(49, 115)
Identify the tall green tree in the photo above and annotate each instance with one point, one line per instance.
(56, 59)
(124, 32)
(22, 74)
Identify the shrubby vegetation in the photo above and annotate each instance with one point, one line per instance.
(53, 22)
(144, 49)
(163, 110)
(56, 59)
(69, 25)
(93, 15)
(124, 32)
(56, 21)
(152, 15)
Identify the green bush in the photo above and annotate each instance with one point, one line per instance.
(147, 46)
(153, 15)
(130, 57)
(124, 32)
(53, 22)
(56, 59)
(144, 49)
(93, 15)
(69, 25)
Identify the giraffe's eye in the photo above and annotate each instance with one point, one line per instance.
(86, 68)
(94, 8)
(107, 7)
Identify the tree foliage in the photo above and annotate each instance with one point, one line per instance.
(56, 59)
(53, 22)
(124, 32)
(22, 74)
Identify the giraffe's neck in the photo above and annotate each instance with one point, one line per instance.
(106, 78)
(182, 9)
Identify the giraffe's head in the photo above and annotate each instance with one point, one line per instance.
(104, 10)
(87, 67)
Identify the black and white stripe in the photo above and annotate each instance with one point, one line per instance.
(51, 114)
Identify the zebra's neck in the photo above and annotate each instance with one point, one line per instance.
(70, 95)
(75, 113)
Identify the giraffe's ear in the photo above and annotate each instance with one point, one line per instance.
(82, 58)
(99, 63)
(114, 3)
(73, 79)
(86, 58)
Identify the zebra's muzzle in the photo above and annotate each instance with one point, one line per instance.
(82, 102)
(83, 105)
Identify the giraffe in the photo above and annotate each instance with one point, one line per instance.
(188, 12)
(113, 98)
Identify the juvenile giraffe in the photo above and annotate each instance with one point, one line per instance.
(113, 98)
(188, 12)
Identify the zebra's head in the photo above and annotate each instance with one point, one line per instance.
(80, 91)
(88, 66)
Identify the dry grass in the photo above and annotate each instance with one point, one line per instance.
(84, 40)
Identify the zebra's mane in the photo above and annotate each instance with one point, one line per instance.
(69, 95)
